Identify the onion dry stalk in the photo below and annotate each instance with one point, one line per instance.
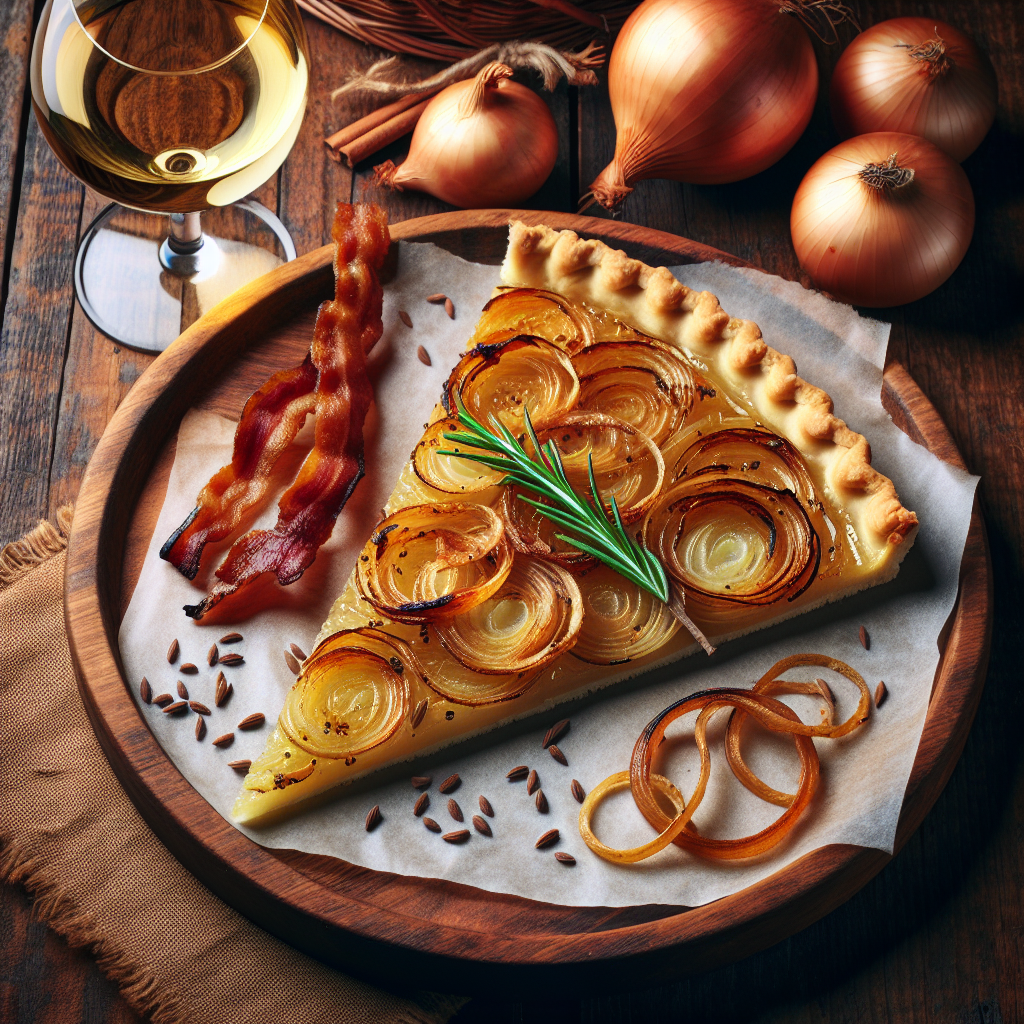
(757, 703)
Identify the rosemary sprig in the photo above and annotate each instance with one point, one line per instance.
(594, 531)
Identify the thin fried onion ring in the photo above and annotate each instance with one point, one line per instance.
(756, 703)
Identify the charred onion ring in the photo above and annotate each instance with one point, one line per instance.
(756, 703)
(428, 562)
(621, 622)
(645, 385)
(533, 618)
(498, 380)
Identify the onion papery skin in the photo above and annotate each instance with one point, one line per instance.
(428, 562)
(497, 155)
(705, 91)
(743, 545)
(347, 700)
(533, 312)
(874, 247)
(533, 619)
(447, 474)
(740, 452)
(498, 380)
(621, 622)
(879, 86)
(645, 385)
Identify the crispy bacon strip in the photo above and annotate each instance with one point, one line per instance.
(270, 420)
(345, 328)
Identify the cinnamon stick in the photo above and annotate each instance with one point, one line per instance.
(357, 129)
(383, 135)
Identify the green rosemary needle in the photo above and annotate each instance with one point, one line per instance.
(594, 531)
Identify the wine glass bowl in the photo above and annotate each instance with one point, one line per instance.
(169, 106)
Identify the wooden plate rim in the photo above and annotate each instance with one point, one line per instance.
(227, 861)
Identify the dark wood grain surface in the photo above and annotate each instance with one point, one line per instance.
(937, 935)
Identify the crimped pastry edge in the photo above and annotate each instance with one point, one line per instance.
(653, 301)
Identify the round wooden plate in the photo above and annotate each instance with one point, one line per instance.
(432, 932)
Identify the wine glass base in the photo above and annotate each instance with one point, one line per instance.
(140, 293)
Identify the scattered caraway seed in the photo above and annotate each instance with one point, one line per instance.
(253, 721)
(231, 638)
(241, 765)
(297, 651)
(558, 755)
(212, 655)
(880, 694)
(456, 837)
(146, 691)
(223, 690)
(421, 781)
(437, 297)
(182, 690)
(292, 662)
(421, 805)
(449, 308)
(485, 806)
(541, 802)
(423, 356)
(518, 774)
(188, 668)
(172, 652)
(532, 782)
(162, 699)
(865, 640)
(455, 810)
(578, 792)
(175, 707)
(200, 727)
(555, 733)
(548, 839)
(481, 826)
(565, 858)
(224, 741)
(418, 712)
(432, 825)
(450, 784)
(373, 818)
(230, 659)
(199, 709)
(405, 318)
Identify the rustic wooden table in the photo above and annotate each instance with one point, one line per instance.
(937, 935)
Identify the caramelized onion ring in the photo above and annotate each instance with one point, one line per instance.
(533, 311)
(448, 474)
(498, 380)
(621, 622)
(426, 562)
(530, 621)
(645, 385)
(742, 544)
(347, 700)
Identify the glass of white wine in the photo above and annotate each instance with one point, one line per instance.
(173, 107)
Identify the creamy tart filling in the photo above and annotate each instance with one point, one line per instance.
(466, 610)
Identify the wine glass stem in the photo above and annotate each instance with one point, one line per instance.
(181, 251)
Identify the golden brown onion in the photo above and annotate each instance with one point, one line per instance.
(432, 561)
(498, 380)
(621, 622)
(732, 543)
(533, 311)
(530, 621)
(445, 473)
(643, 384)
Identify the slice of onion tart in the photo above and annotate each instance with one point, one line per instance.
(469, 607)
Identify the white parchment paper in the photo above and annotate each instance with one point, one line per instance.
(863, 776)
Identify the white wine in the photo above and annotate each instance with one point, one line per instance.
(173, 106)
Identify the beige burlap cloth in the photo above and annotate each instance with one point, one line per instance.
(99, 876)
